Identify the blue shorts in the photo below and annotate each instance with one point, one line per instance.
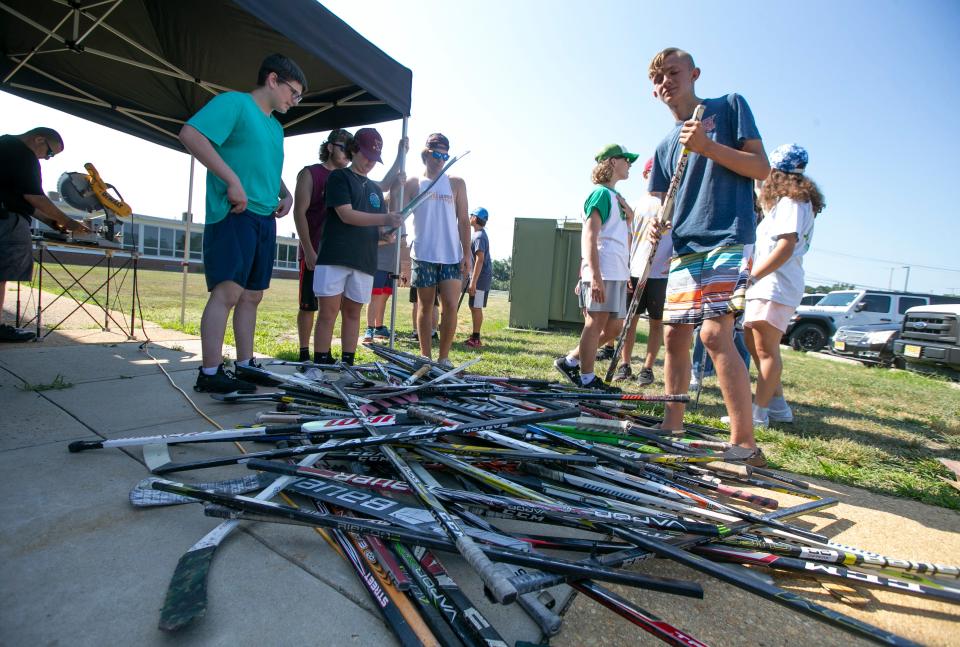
(240, 248)
(424, 274)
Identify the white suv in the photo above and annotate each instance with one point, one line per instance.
(812, 326)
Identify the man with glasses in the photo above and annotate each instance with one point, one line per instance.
(440, 248)
(21, 198)
(240, 142)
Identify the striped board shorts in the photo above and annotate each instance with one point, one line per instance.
(710, 284)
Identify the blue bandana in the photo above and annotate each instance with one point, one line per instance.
(789, 158)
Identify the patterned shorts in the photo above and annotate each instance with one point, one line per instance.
(707, 284)
(424, 274)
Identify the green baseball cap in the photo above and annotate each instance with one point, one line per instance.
(616, 150)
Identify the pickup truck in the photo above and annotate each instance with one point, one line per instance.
(812, 326)
(930, 340)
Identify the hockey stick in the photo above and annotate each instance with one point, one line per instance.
(477, 623)
(408, 435)
(493, 576)
(247, 433)
(144, 496)
(186, 597)
(760, 587)
(648, 250)
(643, 619)
(263, 510)
(375, 587)
(923, 588)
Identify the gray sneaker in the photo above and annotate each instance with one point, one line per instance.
(572, 373)
(624, 372)
(752, 457)
(645, 376)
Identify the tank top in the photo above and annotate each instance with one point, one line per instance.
(436, 236)
(317, 211)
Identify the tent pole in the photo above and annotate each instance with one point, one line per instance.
(186, 246)
(396, 269)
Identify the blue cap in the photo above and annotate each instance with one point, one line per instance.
(789, 158)
(480, 213)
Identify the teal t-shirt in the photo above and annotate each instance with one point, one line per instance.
(251, 143)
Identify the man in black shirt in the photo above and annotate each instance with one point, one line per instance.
(22, 197)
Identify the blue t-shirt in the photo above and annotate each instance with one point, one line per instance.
(480, 243)
(714, 206)
(251, 143)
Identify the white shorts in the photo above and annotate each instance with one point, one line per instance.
(331, 280)
(776, 314)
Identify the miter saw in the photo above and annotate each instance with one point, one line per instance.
(88, 192)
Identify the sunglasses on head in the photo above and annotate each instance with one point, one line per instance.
(437, 155)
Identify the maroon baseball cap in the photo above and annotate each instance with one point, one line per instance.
(438, 140)
(370, 143)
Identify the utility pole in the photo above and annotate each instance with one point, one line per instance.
(906, 279)
(890, 280)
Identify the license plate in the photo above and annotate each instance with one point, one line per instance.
(910, 350)
(839, 345)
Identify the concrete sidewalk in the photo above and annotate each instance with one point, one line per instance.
(84, 567)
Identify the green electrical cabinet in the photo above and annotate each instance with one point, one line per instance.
(545, 269)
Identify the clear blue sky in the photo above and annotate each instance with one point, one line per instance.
(535, 88)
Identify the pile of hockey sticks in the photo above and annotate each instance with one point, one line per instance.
(532, 483)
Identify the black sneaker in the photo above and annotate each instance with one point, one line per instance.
(645, 376)
(221, 382)
(605, 353)
(624, 372)
(11, 334)
(572, 372)
(254, 373)
(599, 385)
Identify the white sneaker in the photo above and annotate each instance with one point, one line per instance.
(780, 411)
(445, 362)
(313, 373)
(761, 417)
(694, 382)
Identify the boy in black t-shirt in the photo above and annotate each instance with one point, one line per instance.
(347, 257)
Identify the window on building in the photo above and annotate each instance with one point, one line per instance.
(166, 242)
(196, 245)
(151, 240)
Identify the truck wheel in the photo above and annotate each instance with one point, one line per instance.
(810, 337)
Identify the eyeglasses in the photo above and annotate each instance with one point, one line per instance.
(296, 96)
(50, 151)
(629, 161)
(437, 155)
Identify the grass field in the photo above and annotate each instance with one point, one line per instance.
(878, 429)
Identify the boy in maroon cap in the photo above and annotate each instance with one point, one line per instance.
(347, 257)
(440, 245)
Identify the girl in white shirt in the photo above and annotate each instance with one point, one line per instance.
(790, 202)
